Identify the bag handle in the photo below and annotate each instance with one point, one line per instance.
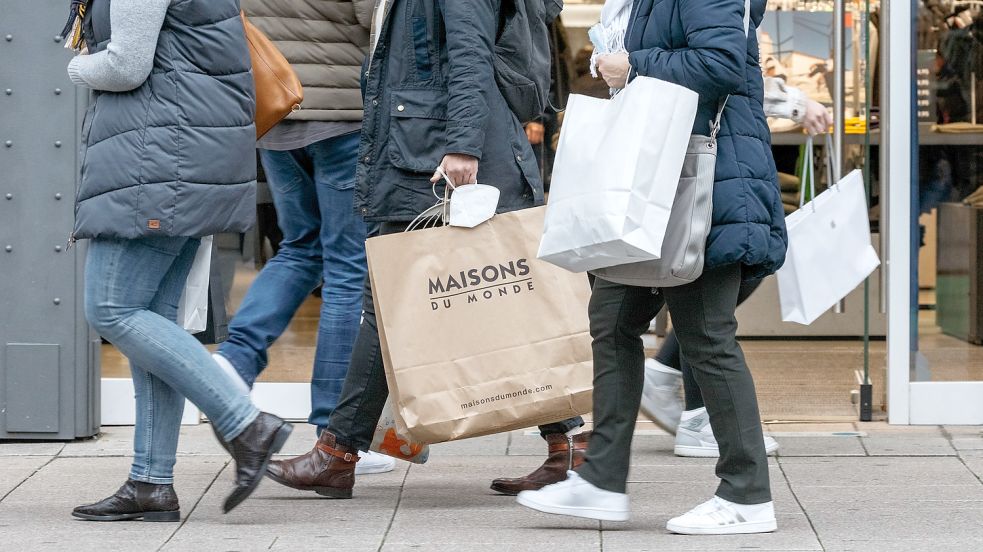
(808, 175)
(438, 214)
(832, 164)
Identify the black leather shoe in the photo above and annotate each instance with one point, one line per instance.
(252, 450)
(134, 500)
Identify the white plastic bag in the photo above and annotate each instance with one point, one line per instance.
(192, 309)
(829, 248)
(615, 175)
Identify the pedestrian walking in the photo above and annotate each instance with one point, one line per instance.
(166, 159)
(309, 160)
(668, 370)
(709, 47)
(430, 101)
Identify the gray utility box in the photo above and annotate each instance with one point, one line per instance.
(49, 358)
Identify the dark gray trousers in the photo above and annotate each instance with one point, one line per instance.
(704, 322)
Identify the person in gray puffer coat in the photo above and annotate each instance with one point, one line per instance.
(167, 153)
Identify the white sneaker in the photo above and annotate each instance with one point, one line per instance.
(694, 437)
(661, 402)
(373, 462)
(578, 498)
(721, 517)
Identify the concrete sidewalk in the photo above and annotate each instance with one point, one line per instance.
(866, 487)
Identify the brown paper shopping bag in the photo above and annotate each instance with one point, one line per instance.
(478, 335)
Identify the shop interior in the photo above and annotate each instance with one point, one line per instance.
(803, 374)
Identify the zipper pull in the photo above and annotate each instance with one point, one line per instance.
(71, 241)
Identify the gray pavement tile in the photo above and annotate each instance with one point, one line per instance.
(821, 446)
(967, 443)
(491, 445)
(875, 471)
(30, 449)
(646, 532)
(512, 547)
(897, 545)
(975, 465)
(927, 497)
(531, 529)
(118, 441)
(15, 470)
(893, 524)
(908, 445)
(37, 516)
(286, 519)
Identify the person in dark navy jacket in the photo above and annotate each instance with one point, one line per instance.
(710, 47)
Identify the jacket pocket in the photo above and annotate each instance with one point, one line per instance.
(417, 133)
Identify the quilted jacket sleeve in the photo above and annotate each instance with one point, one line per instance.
(713, 63)
(471, 27)
(363, 12)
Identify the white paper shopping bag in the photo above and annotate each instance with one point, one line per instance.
(829, 250)
(614, 179)
(192, 309)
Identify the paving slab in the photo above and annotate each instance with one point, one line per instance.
(279, 518)
(873, 471)
(491, 445)
(37, 515)
(918, 528)
(196, 440)
(15, 470)
(30, 449)
(908, 445)
(825, 445)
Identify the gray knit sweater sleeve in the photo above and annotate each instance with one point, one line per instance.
(128, 59)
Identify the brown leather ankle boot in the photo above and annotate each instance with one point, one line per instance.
(565, 453)
(328, 469)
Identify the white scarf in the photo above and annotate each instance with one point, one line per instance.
(610, 32)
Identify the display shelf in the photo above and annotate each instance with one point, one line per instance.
(926, 136)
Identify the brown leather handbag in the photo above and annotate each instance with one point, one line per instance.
(278, 90)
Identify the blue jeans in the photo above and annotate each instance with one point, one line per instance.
(323, 241)
(132, 289)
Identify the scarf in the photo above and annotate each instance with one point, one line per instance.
(72, 33)
(608, 36)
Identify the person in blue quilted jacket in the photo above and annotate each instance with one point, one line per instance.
(710, 47)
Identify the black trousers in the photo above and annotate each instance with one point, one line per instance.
(365, 391)
(703, 317)
(670, 356)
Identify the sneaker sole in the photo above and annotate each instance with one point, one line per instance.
(600, 515)
(688, 451)
(747, 528)
(159, 517)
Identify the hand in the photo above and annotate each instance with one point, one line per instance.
(614, 69)
(460, 169)
(817, 119)
(535, 132)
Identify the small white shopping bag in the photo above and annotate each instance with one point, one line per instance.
(829, 250)
(614, 179)
(192, 309)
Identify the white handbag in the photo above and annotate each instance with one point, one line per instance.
(192, 309)
(615, 175)
(829, 246)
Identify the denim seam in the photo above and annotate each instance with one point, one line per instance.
(150, 339)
